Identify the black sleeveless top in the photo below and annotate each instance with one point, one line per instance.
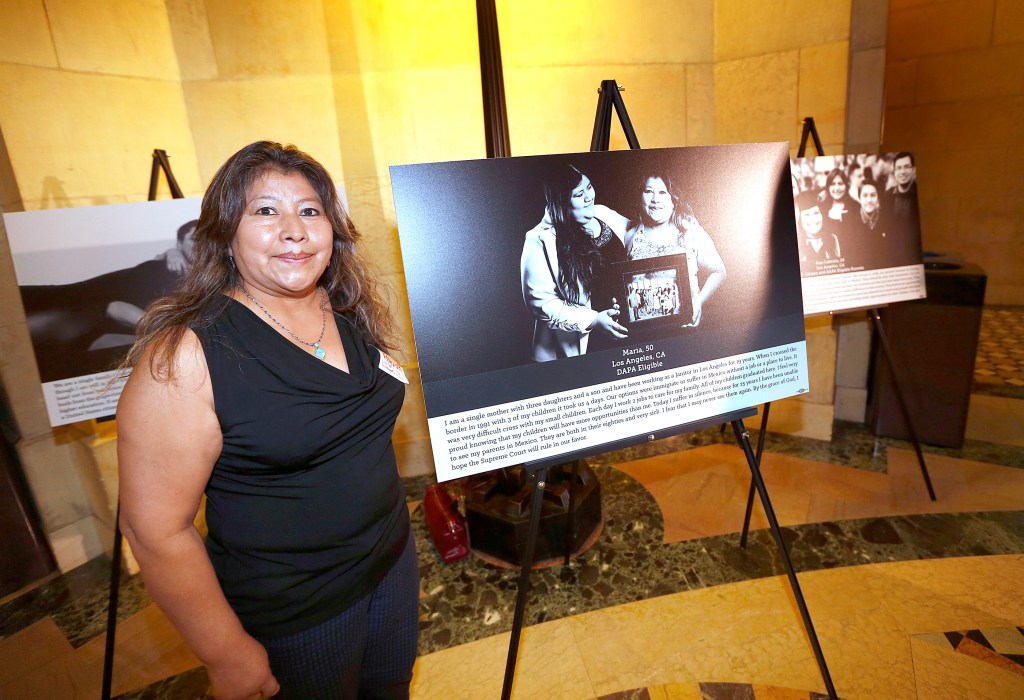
(305, 507)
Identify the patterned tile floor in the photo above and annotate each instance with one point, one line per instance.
(1002, 647)
(999, 367)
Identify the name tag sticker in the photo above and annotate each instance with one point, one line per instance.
(388, 364)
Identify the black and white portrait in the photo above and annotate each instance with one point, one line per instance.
(528, 276)
(868, 211)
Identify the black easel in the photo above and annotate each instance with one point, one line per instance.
(812, 131)
(608, 97)
(160, 162)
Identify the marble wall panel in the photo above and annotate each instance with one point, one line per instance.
(658, 104)
(226, 115)
(421, 115)
(821, 360)
(1008, 25)
(756, 99)
(18, 369)
(744, 29)
(551, 110)
(939, 220)
(113, 37)
(25, 34)
(900, 83)
(823, 81)
(402, 35)
(971, 75)
(79, 139)
(928, 29)
(917, 128)
(19, 372)
(869, 24)
(51, 470)
(987, 219)
(78, 542)
(273, 38)
(193, 45)
(990, 171)
(866, 100)
(559, 117)
(700, 100)
(540, 33)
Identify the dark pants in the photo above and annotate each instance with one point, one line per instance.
(365, 652)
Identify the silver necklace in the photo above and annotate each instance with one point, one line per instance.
(317, 350)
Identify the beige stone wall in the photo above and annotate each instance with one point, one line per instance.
(87, 90)
(955, 97)
(555, 55)
(777, 62)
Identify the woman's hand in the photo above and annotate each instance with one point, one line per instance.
(244, 675)
(175, 260)
(606, 322)
(698, 310)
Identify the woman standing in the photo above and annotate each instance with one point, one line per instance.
(564, 269)
(263, 381)
(838, 204)
(666, 226)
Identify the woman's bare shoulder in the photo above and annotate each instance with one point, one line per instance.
(169, 376)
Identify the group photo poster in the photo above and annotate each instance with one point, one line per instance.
(858, 230)
(561, 303)
(86, 274)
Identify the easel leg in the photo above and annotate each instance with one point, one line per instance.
(743, 438)
(115, 582)
(901, 401)
(524, 583)
(570, 531)
(750, 492)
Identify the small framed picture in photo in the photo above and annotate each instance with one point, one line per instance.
(656, 291)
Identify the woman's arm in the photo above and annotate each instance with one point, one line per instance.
(616, 222)
(125, 313)
(540, 291)
(709, 262)
(168, 441)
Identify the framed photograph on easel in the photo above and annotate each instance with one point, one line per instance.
(656, 291)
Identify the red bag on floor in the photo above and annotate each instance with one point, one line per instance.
(447, 526)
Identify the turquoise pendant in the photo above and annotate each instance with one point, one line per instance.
(320, 352)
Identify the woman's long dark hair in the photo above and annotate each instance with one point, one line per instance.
(578, 259)
(203, 291)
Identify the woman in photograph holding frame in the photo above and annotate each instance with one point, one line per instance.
(667, 226)
(565, 270)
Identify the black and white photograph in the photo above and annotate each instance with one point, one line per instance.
(541, 276)
(85, 275)
(857, 216)
(657, 291)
